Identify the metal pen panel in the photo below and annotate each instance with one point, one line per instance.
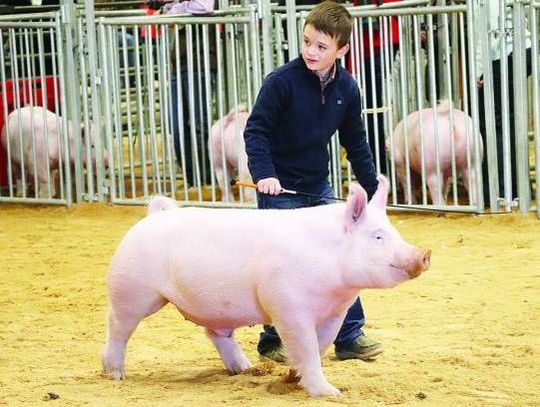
(31, 165)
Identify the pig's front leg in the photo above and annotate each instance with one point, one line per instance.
(435, 184)
(232, 355)
(302, 348)
(19, 188)
(327, 332)
(44, 191)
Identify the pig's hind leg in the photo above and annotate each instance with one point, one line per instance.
(223, 175)
(232, 355)
(129, 304)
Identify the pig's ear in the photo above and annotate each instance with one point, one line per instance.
(355, 206)
(380, 198)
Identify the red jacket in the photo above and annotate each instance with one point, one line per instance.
(393, 33)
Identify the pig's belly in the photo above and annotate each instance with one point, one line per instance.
(215, 290)
(219, 313)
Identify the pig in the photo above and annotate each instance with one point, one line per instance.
(301, 273)
(235, 152)
(464, 141)
(42, 119)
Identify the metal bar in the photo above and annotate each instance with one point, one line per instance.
(179, 110)
(27, 24)
(292, 32)
(90, 192)
(105, 81)
(449, 95)
(507, 173)
(113, 70)
(379, 12)
(536, 98)
(474, 106)
(520, 108)
(63, 135)
(72, 92)
(420, 101)
(173, 19)
(31, 16)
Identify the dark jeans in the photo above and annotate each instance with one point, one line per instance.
(354, 320)
(199, 121)
(497, 95)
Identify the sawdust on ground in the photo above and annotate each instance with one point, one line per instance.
(465, 333)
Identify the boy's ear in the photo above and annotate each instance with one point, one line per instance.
(342, 51)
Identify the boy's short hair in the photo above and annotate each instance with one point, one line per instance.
(332, 19)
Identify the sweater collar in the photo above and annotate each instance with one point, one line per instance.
(335, 69)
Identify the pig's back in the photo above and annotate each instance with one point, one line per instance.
(430, 133)
(232, 235)
(42, 119)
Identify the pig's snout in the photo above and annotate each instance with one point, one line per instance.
(420, 263)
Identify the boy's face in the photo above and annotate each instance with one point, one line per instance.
(320, 51)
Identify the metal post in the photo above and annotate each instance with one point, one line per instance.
(474, 107)
(491, 140)
(535, 11)
(292, 33)
(95, 82)
(266, 19)
(520, 108)
(72, 91)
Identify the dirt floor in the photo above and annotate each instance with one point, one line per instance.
(465, 333)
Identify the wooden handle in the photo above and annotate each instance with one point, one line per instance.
(246, 184)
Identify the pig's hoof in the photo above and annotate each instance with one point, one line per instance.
(239, 366)
(323, 390)
(115, 374)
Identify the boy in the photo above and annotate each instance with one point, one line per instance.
(299, 108)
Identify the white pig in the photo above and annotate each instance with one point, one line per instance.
(225, 268)
(41, 120)
(235, 152)
(464, 141)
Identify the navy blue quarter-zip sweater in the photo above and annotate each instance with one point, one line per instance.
(293, 120)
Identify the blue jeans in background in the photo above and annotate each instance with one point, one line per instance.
(200, 123)
(354, 320)
(129, 40)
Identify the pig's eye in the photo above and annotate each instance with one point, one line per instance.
(379, 237)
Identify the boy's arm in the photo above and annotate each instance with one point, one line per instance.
(352, 136)
(189, 6)
(260, 125)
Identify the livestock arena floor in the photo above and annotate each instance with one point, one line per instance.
(466, 333)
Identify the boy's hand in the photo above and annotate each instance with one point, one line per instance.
(270, 186)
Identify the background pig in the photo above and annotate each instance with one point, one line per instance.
(301, 273)
(234, 152)
(42, 120)
(463, 141)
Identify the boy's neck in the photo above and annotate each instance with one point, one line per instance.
(326, 73)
